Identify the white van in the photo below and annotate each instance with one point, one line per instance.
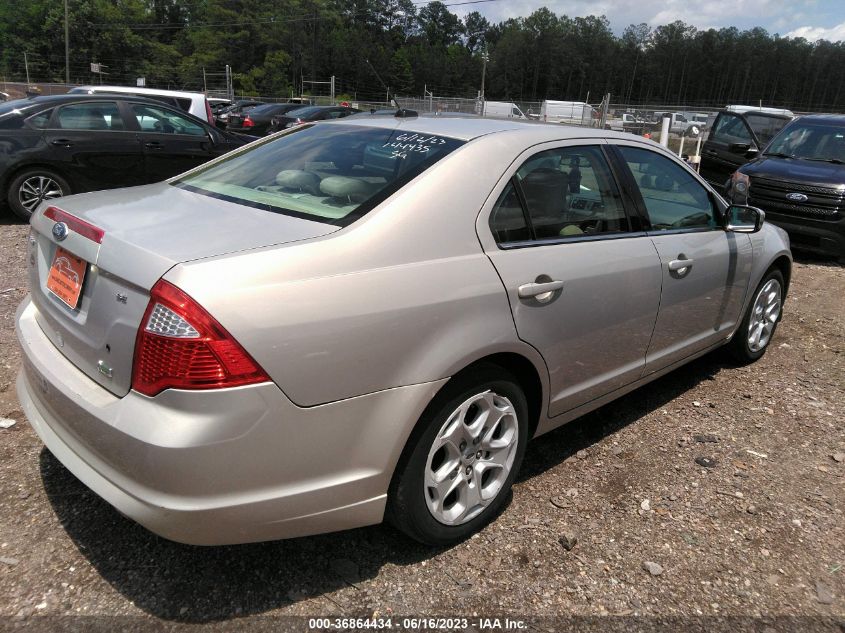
(503, 110)
(192, 102)
(577, 112)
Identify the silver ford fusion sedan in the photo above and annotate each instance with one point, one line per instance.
(369, 319)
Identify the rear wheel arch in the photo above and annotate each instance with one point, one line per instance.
(507, 374)
(18, 170)
(511, 365)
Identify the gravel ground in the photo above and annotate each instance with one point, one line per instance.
(715, 491)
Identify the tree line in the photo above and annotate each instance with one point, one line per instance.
(276, 46)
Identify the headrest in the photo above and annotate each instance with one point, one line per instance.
(299, 179)
(343, 187)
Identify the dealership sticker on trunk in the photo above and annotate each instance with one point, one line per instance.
(66, 276)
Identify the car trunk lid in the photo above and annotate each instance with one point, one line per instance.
(145, 231)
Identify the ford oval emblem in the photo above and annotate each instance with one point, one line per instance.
(797, 197)
(60, 231)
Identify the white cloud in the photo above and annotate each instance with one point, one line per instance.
(773, 15)
(813, 33)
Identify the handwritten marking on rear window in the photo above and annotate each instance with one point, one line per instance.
(405, 143)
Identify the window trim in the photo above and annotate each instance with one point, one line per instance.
(129, 114)
(755, 142)
(718, 210)
(627, 208)
(53, 123)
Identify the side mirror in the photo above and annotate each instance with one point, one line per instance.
(751, 153)
(739, 148)
(740, 218)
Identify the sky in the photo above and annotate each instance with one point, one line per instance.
(811, 19)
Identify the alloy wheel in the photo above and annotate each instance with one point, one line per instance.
(764, 315)
(471, 457)
(35, 189)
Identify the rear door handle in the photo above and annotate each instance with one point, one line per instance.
(154, 145)
(678, 265)
(542, 292)
(61, 142)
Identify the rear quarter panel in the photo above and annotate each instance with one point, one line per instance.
(403, 296)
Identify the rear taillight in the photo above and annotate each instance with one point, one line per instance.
(247, 122)
(208, 112)
(181, 346)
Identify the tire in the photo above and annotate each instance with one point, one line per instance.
(31, 186)
(760, 320)
(470, 461)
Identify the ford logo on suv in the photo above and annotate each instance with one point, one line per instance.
(796, 197)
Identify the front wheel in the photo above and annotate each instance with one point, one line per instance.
(31, 187)
(457, 471)
(761, 319)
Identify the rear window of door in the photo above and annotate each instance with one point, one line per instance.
(671, 195)
(730, 128)
(163, 121)
(560, 193)
(765, 127)
(98, 115)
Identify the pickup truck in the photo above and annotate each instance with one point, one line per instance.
(629, 123)
(680, 123)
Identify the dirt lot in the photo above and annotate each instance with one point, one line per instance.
(759, 532)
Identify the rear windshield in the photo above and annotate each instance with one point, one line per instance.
(330, 173)
(306, 111)
(270, 108)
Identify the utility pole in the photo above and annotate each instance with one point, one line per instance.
(484, 57)
(26, 65)
(67, 49)
(332, 89)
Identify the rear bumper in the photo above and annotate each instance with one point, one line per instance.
(220, 466)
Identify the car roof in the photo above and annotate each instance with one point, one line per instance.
(33, 105)
(466, 129)
(835, 119)
(142, 91)
(52, 99)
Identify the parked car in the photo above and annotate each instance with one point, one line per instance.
(256, 121)
(242, 106)
(370, 318)
(737, 135)
(217, 106)
(194, 103)
(799, 180)
(56, 145)
(308, 115)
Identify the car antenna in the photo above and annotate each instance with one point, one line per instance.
(400, 111)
